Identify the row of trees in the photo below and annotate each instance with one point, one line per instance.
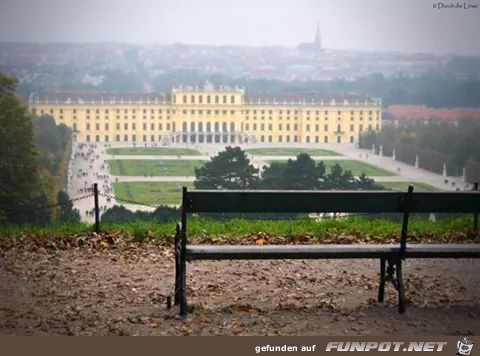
(231, 169)
(33, 162)
(436, 144)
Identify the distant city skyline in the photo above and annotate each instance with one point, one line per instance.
(367, 25)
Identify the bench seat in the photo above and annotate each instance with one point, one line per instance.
(330, 251)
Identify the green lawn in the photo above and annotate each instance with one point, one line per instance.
(290, 151)
(356, 167)
(403, 186)
(153, 151)
(156, 193)
(126, 167)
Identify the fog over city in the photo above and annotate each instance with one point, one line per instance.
(384, 25)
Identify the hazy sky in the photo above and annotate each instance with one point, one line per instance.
(403, 25)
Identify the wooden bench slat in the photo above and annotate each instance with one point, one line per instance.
(250, 252)
(260, 201)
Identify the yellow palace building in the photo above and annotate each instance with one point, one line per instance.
(211, 115)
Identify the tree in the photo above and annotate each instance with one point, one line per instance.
(66, 212)
(365, 183)
(339, 179)
(300, 174)
(19, 172)
(305, 174)
(230, 169)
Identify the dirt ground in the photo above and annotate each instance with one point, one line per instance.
(123, 291)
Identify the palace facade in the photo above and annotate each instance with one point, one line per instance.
(211, 115)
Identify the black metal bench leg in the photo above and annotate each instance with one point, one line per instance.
(381, 287)
(400, 288)
(177, 270)
(183, 284)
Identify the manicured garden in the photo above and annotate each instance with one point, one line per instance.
(154, 167)
(356, 167)
(153, 151)
(155, 193)
(290, 151)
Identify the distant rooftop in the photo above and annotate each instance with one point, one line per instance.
(79, 98)
(311, 99)
(208, 87)
(98, 98)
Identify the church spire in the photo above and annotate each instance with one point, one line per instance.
(318, 38)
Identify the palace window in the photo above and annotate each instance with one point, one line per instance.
(325, 128)
(192, 98)
(117, 126)
(106, 126)
(184, 99)
(232, 99)
(133, 126)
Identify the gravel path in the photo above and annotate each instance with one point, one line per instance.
(123, 291)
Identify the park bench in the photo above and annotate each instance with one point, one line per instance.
(390, 255)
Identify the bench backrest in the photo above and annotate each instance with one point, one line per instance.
(267, 201)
